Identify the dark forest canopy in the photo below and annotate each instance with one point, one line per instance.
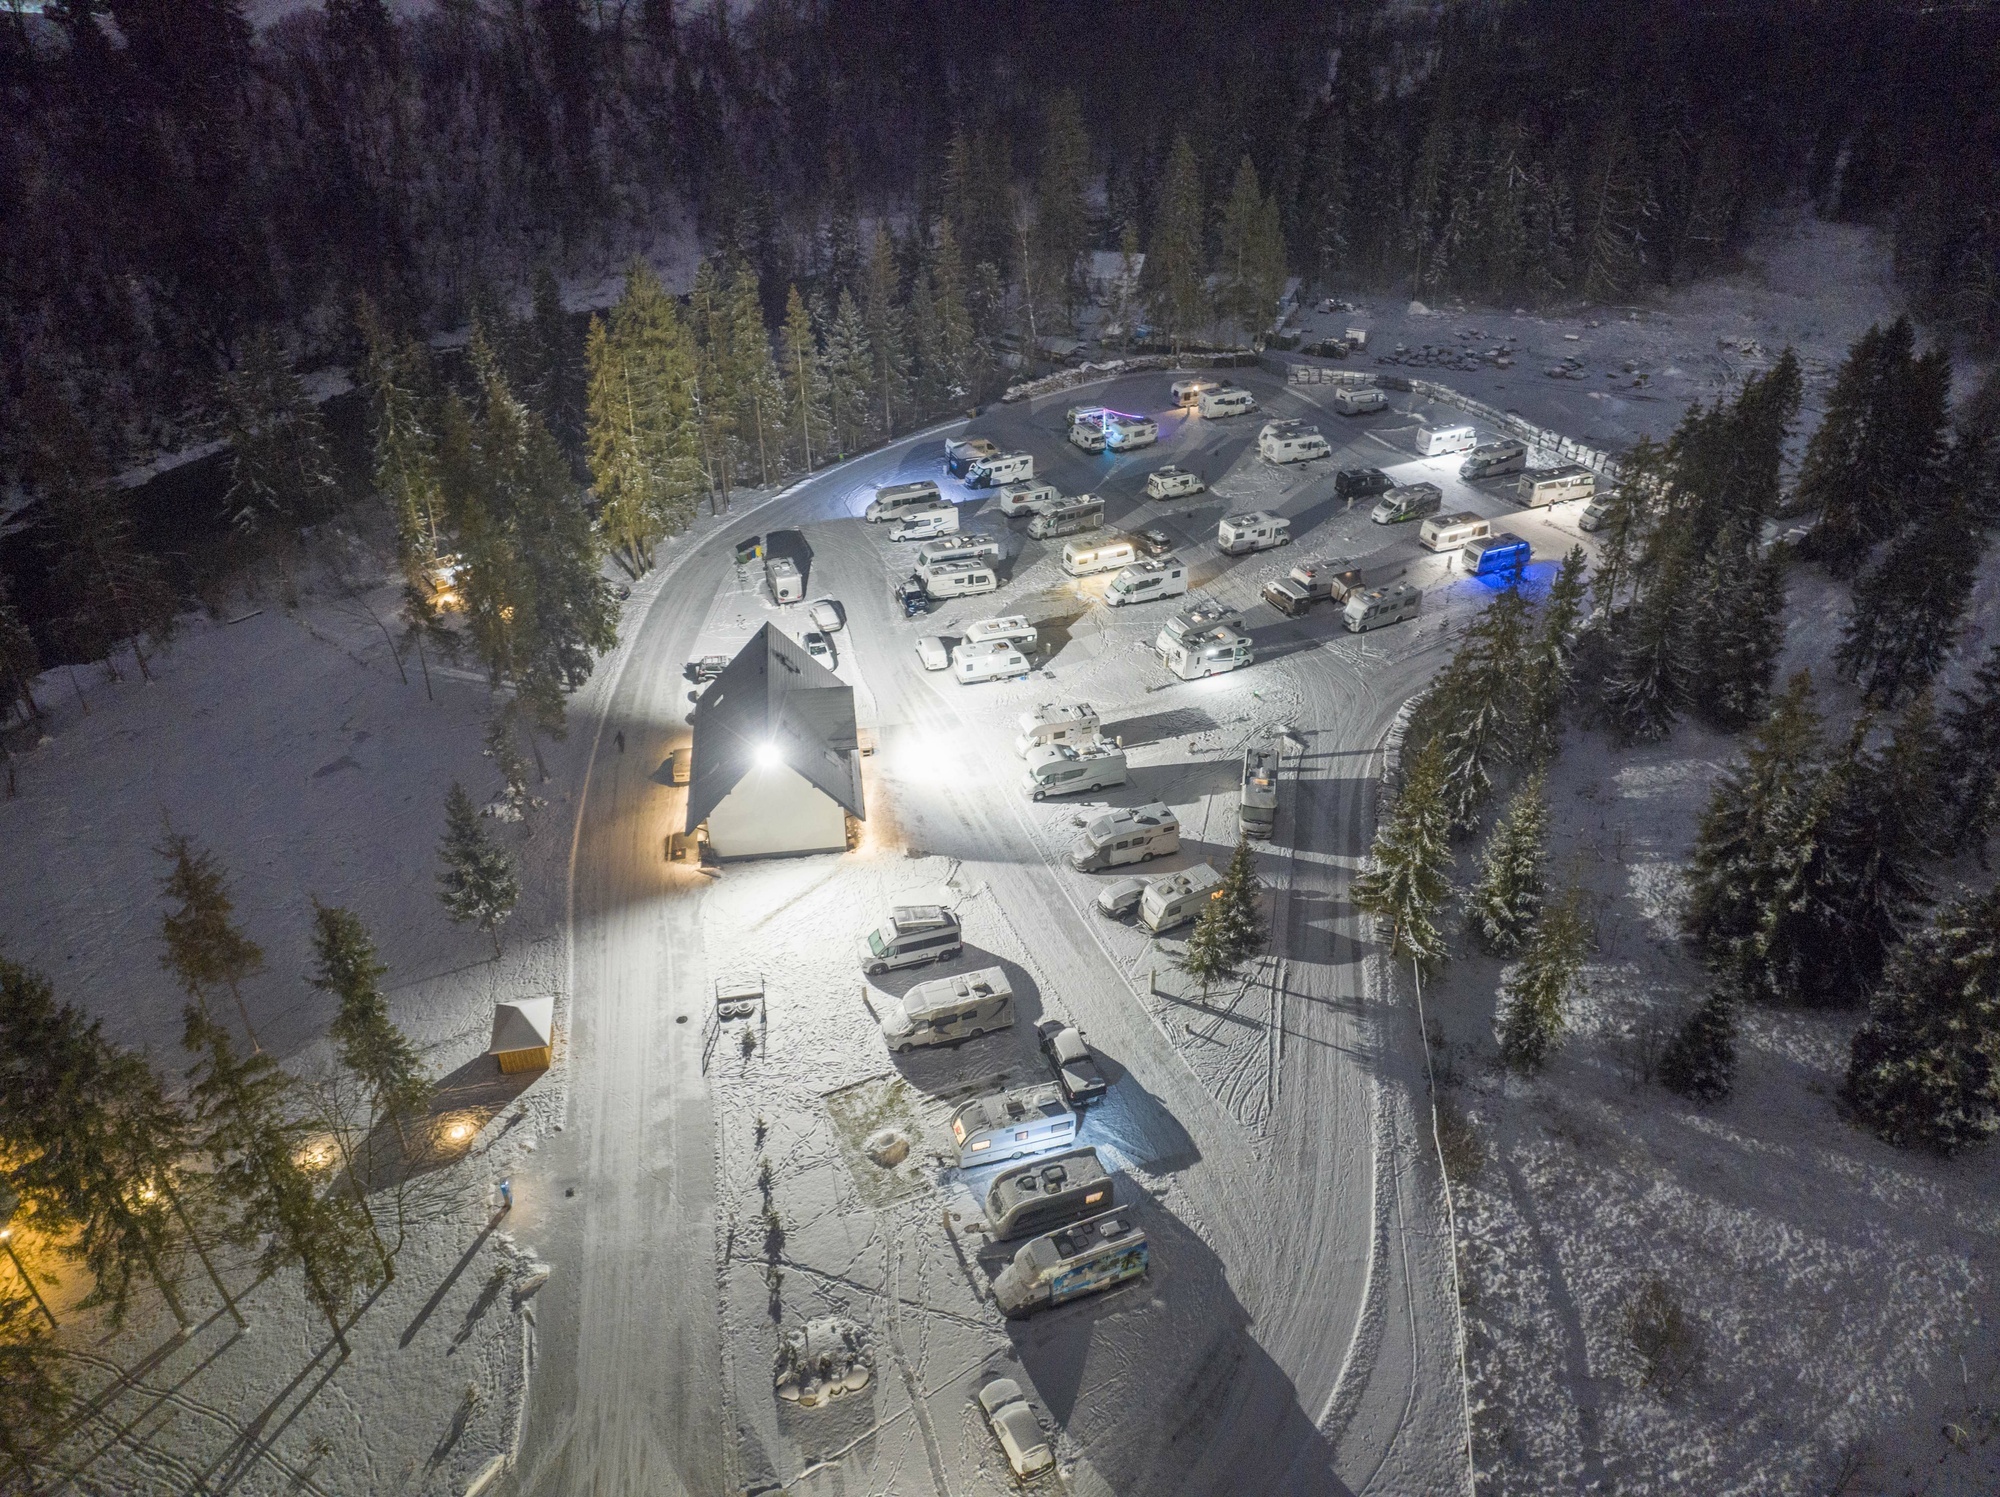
(173, 180)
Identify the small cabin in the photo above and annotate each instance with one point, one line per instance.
(522, 1033)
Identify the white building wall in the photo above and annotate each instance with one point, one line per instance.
(774, 811)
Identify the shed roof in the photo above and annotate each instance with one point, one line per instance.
(523, 1024)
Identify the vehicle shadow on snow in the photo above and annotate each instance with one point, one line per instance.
(1153, 727)
(1162, 1385)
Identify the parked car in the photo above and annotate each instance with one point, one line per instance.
(827, 615)
(1074, 1066)
(1015, 1427)
(819, 647)
(1120, 900)
(933, 653)
(705, 669)
(1155, 542)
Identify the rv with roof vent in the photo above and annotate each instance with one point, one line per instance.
(1008, 467)
(1442, 441)
(1259, 530)
(1087, 1257)
(913, 935)
(1350, 401)
(1074, 723)
(1449, 532)
(893, 501)
(1147, 581)
(947, 1009)
(1037, 1197)
(1379, 606)
(1135, 835)
(1557, 486)
(1027, 498)
(1218, 404)
(1071, 516)
(1291, 442)
(1005, 1126)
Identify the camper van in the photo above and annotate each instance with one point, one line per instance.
(1442, 441)
(1496, 555)
(1086, 429)
(1028, 498)
(1172, 483)
(1209, 653)
(1410, 501)
(1382, 605)
(1188, 392)
(1126, 433)
(1257, 805)
(1004, 1126)
(1361, 483)
(1197, 617)
(1176, 898)
(997, 661)
(1148, 581)
(1074, 723)
(1014, 629)
(1059, 769)
(1082, 558)
(1449, 532)
(1556, 486)
(1349, 401)
(1259, 530)
(959, 456)
(912, 935)
(1217, 404)
(1291, 442)
(1308, 583)
(947, 1009)
(896, 500)
(1491, 459)
(1037, 1197)
(1071, 516)
(1116, 838)
(957, 579)
(786, 584)
(992, 472)
(927, 524)
(964, 547)
(1089, 1257)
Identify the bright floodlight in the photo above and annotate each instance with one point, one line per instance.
(768, 756)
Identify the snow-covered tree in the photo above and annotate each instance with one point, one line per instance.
(888, 337)
(20, 661)
(477, 882)
(1408, 877)
(281, 468)
(1507, 901)
(371, 1047)
(716, 381)
(803, 373)
(1477, 704)
(1549, 670)
(1736, 627)
(1535, 996)
(35, 1395)
(1648, 686)
(1062, 216)
(112, 595)
(206, 946)
(1173, 283)
(952, 353)
(850, 369)
(1970, 743)
(641, 434)
(1230, 929)
(760, 397)
(1250, 268)
(1699, 1060)
(1924, 1070)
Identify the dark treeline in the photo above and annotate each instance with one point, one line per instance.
(173, 181)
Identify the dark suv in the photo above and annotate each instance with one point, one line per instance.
(1361, 483)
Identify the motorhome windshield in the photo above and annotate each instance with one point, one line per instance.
(876, 944)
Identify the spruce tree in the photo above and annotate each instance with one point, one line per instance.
(1239, 912)
(1648, 687)
(551, 373)
(804, 378)
(1062, 220)
(716, 381)
(1408, 877)
(477, 882)
(371, 1046)
(955, 356)
(1969, 742)
(1250, 268)
(34, 1393)
(1641, 478)
(1924, 1070)
(281, 468)
(1507, 900)
(1477, 700)
(760, 397)
(1173, 282)
(1699, 1060)
(850, 368)
(401, 389)
(1736, 629)
(1534, 999)
(642, 438)
(888, 338)
(1549, 672)
(206, 948)
(20, 661)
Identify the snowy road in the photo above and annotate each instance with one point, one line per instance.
(1301, 1335)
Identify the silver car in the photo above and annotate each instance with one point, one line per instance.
(1015, 1426)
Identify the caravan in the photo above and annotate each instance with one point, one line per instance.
(1259, 530)
(1308, 583)
(1176, 898)
(1038, 1197)
(1148, 581)
(1351, 400)
(1014, 629)
(967, 547)
(996, 661)
(1557, 486)
(1082, 558)
(1449, 532)
(1005, 1126)
(1059, 769)
(1291, 442)
(1188, 392)
(1086, 429)
(1442, 441)
(1071, 516)
(1028, 498)
(1091, 1256)
(947, 1009)
(896, 500)
(1491, 459)
(1497, 555)
(992, 472)
(1074, 723)
(1257, 803)
(1117, 838)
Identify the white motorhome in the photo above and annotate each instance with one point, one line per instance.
(786, 584)
(1086, 430)
(1004, 1126)
(912, 935)
(956, 579)
(1442, 441)
(1029, 498)
(1124, 433)
(1350, 401)
(947, 1009)
(1117, 838)
(1188, 392)
(1407, 501)
(1148, 581)
(1449, 532)
(1557, 486)
(1308, 583)
(1082, 558)
(1492, 459)
(1176, 898)
(997, 661)
(1210, 653)
(1172, 483)
(1008, 467)
(927, 524)
(1059, 769)
(1074, 723)
(1071, 516)
(963, 453)
(1291, 442)
(1382, 605)
(1194, 619)
(964, 547)
(1217, 404)
(1013, 629)
(1258, 530)
(1257, 801)
(895, 500)
(1088, 1257)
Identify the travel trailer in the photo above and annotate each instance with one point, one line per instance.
(1496, 555)
(1449, 532)
(1557, 486)
(895, 500)
(1082, 558)
(1176, 898)
(961, 547)
(1037, 1197)
(998, 661)
(1259, 530)
(1188, 392)
(1382, 605)
(1095, 1254)
(1136, 835)
(1070, 516)
(1014, 628)
(1028, 498)
(1074, 723)
(1060, 769)
(1442, 441)
(1147, 581)
(957, 579)
(1351, 401)
(947, 1009)
(1005, 1126)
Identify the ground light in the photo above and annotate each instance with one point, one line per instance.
(7, 1241)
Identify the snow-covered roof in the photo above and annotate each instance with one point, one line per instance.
(774, 695)
(523, 1024)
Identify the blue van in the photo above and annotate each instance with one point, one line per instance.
(1496, 555)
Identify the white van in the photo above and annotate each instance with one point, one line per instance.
(1172, 483)
(1349, 401)
(957, 579)
(1074, 723)
(1014, 629)
(1382, 605)
(963, 453)
(1137, 835)
(1148, 581)
(1197, 618)
(947, 1009)
(1407, 501)
(1028, 498)
(912, 935)
(927, 524)
(786, 584)
(1071, 516)
(895, 500)
(1008, 467)
(1059, 769)
(1082, 558)
(967, 547)
(1291, 442)
(1557, 486)
(1442, 441)
(1258, 530)
(1209, 653)
(1176, 898)
(1188, 392)
(1449, 532)
(1125, 433)
(996, 660)
(1005, 1126)
(1231, 402)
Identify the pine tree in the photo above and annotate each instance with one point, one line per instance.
(715, 382)
(1173, 283)
(1924, 1070)
(1648, 687)
(760, 396)
(1736, 629)
(551, 373)
(1230, 929)
(504, 750)
(888, 338)
(477, 883)
(1642, 476)
(1477, 702)
(1616, 208)
(206, 948)
(1699, 1060)
(281, 469)
(804, 377)
(1549, 673)
(1534, 999)
(850, 368)
(1507, 900)
(1969, 743)
(35, 1396)
(1122, 305)
(1250, 267)
(1062, 221)
(370, 1044)
(20, 661)
(954, 357)
(1407, 880)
